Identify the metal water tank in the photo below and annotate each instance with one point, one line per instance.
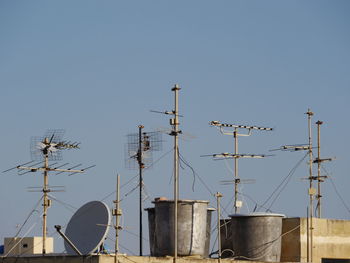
(208, 232)
(151, 230)
(257, 236)
(226, 238)
(192, 227)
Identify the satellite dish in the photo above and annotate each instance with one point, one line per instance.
(88, 227)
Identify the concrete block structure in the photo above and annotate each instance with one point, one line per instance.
(331, 244)
(331, 240)
(17, 246)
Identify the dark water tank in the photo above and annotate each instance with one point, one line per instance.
(193, 236)
(257, 236)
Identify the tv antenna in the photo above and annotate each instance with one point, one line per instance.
(175, 131)
(292, 148)
(117, 213)
(236, 155)
(45, 149)
(139, 151)
(311, 191)
(319, 178)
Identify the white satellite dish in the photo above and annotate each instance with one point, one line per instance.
(88, 228)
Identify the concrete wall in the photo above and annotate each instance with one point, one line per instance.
(331, 239)
(110, 259)
(291, 246)
(14, 246)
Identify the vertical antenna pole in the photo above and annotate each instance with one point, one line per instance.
(307, 235)
(175, 123)
(311, 191)
(117, 213)
(218, 196)
(235, 135)
(319, 123)
(47, 147)
(141, 166)
(45, 199)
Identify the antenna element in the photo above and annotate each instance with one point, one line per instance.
(48, 148)
(139, 150)
(236, 155)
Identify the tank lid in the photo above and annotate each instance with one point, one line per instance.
(163, 200)
(257, 214)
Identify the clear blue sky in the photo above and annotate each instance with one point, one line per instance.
(96, 68)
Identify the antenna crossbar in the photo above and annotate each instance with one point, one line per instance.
(232, 155)
(219, 124)
(236, 156)
(295, 147)
(36, 169)
(315, 178)
(167, 113)
(69, 169)
(317, 160)
(238, 181)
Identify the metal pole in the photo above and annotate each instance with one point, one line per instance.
(235, 135)
(141, 166)
(45, 199)
(307, 236)
(176, 164)
(310, 114)
(117, 213)
(218, 196)
(58, 228)
(319, 123)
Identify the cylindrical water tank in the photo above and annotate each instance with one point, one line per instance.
(192, 227)
(208, 233)
(257, 236)
(226, 238)
(151, 230)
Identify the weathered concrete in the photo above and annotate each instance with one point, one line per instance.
(331, 239)
(52, 259)
(110, 259)
(14, 246)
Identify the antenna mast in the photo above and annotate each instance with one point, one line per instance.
(311, 178)
(236, 155)
(49, 148)
(139, 150)
(318, 160)
(174, 122)
(218, 196)
(175, 132)
(312, 190)
(320, 178)
(117, 212)
(141, 166)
